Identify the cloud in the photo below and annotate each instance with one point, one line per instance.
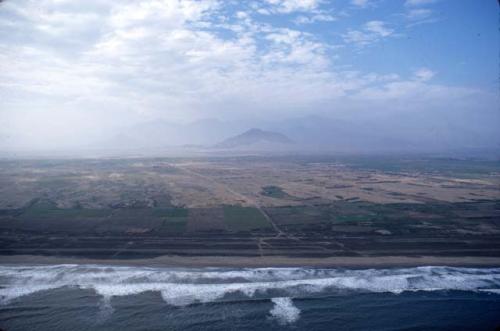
(372, 31)
(290, 6)
(419, 14)
(411, 3)
(424, 74)
(379, 28)
(315, 18)
(360, 3)
(295, 47)
(154, 59)
(72, 71)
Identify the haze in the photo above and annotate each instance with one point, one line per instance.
(360, 75)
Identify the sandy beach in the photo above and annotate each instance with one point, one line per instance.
(271, 261)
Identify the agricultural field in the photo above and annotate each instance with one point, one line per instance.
(250, 206)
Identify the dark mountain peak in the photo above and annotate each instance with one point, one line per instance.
(255, 136)
(254, 131)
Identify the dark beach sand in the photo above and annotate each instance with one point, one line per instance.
(271, 261)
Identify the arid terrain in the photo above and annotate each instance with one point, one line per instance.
(303, 207)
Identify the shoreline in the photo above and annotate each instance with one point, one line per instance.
(262, 262)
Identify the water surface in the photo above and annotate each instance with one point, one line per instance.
(92, 297)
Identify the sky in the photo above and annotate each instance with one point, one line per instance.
(74, 70)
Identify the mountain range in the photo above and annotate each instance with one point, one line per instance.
(256, 138)
(311, 133)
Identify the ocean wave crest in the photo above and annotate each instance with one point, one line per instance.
(284, 310)
(180, 287)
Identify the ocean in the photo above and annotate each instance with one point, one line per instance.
(97, 297)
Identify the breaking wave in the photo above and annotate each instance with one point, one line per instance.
(180, 287)
(284, 310)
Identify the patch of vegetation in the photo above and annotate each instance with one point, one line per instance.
(46, 209)
(239, 218)
(146, 220)
(55, 182)
(274, 192)
(165, 169)
(466, 168)
(352, 218)
(300, 215)
(173, 225)
(171, 212)
(397, 217)
(174, 220)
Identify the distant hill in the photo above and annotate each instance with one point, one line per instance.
(255, 137)
(377, 134)
(161, 134)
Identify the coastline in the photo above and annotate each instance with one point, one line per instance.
(262, 262)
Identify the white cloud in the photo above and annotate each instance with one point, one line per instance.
(379, 28)
(372, 31)
(171, 13)
(294, 47)
(103, 64)
(154, 59)
(360, 3)
(419, 14)
(424, 74)
(289, 6)
(410, 3)
(315, 18)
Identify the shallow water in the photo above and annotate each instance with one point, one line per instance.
(89, 297)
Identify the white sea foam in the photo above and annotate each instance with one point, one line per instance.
(491, 290)
(105, 309)
(186, 286)
(284, 310)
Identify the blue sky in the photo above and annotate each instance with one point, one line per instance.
(72, 69)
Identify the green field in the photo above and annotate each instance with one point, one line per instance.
(172, 225)
(239, 218)
(45, 209)
(274, 192)
(44, 214)
(170, 212)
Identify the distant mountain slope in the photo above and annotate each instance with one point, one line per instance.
(160, 134)
(255, 137)
(377, 134)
